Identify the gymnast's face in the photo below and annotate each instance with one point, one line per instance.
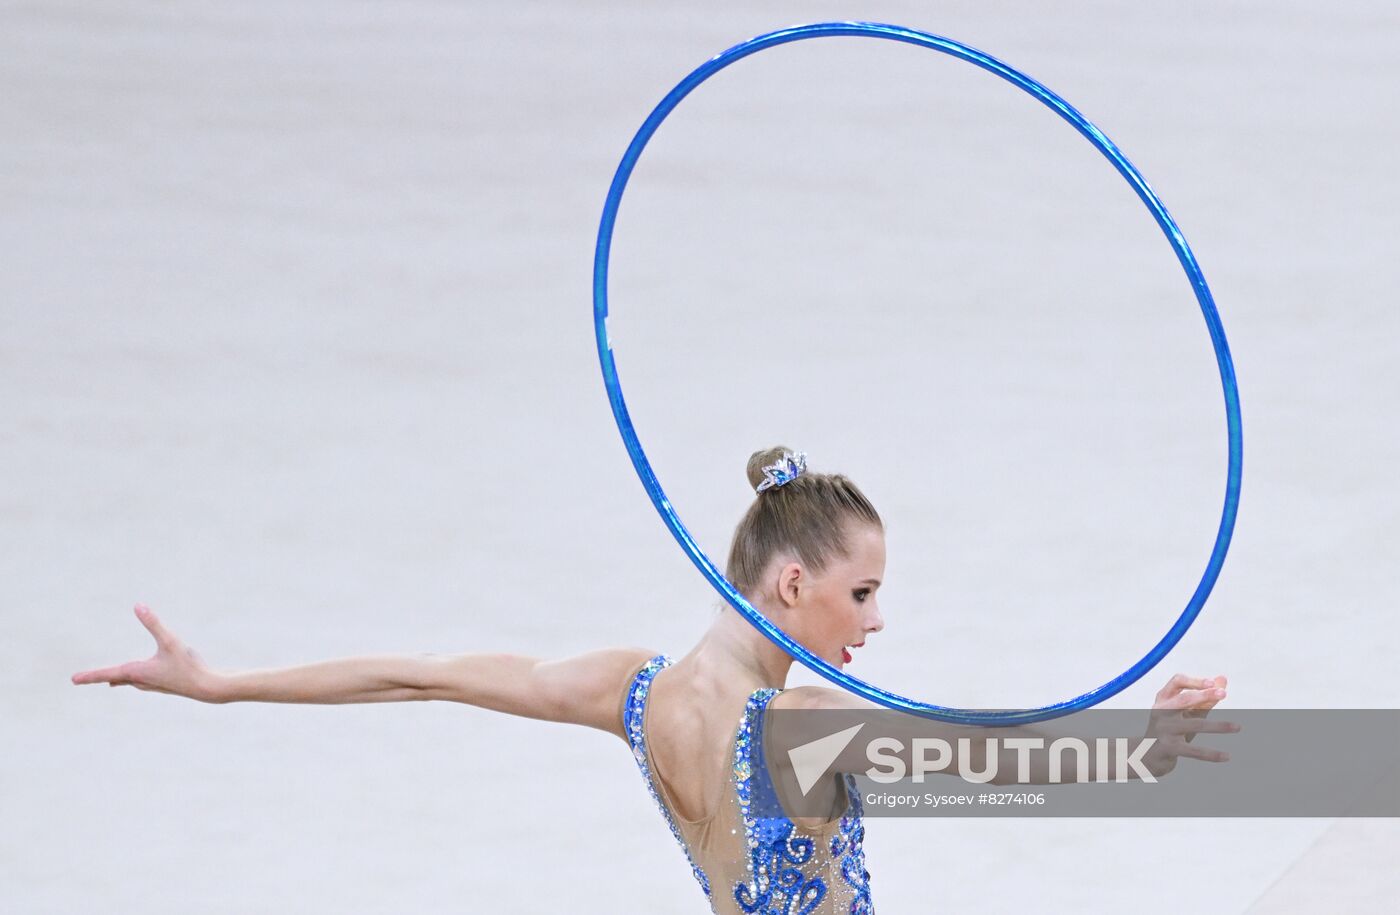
(832, 612)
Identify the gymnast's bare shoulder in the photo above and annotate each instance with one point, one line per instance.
(820, 697)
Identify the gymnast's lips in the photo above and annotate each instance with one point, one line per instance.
(846, 653)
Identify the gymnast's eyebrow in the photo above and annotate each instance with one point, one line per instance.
(870, 581)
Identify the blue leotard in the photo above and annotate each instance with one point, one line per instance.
(749, 863)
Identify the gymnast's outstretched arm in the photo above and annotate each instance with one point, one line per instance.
(579, 690)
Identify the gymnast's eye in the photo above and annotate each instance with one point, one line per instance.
(861, 594)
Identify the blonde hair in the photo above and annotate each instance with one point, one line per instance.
(806, 516)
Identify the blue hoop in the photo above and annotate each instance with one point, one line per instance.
(668, 514)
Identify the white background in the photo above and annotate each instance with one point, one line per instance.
(297, 349)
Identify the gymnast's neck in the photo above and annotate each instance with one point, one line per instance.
(733, 651)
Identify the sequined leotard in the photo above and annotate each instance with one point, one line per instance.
(746, 863)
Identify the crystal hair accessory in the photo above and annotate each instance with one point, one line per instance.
(787, 468)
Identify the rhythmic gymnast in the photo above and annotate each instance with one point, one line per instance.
(810, 554)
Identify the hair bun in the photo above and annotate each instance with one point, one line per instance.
(761, 459)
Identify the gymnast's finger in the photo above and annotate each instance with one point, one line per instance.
(1202, 753)
(1179, 682)
(100, 675)
(1204, 726)
(1177, 722)
(1194, 698)
(162, 635)
(1189, 698)
(1213, 683)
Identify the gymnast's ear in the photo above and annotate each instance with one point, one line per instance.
(791, 581)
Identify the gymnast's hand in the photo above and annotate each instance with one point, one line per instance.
(1179, 714)
(175, 668)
